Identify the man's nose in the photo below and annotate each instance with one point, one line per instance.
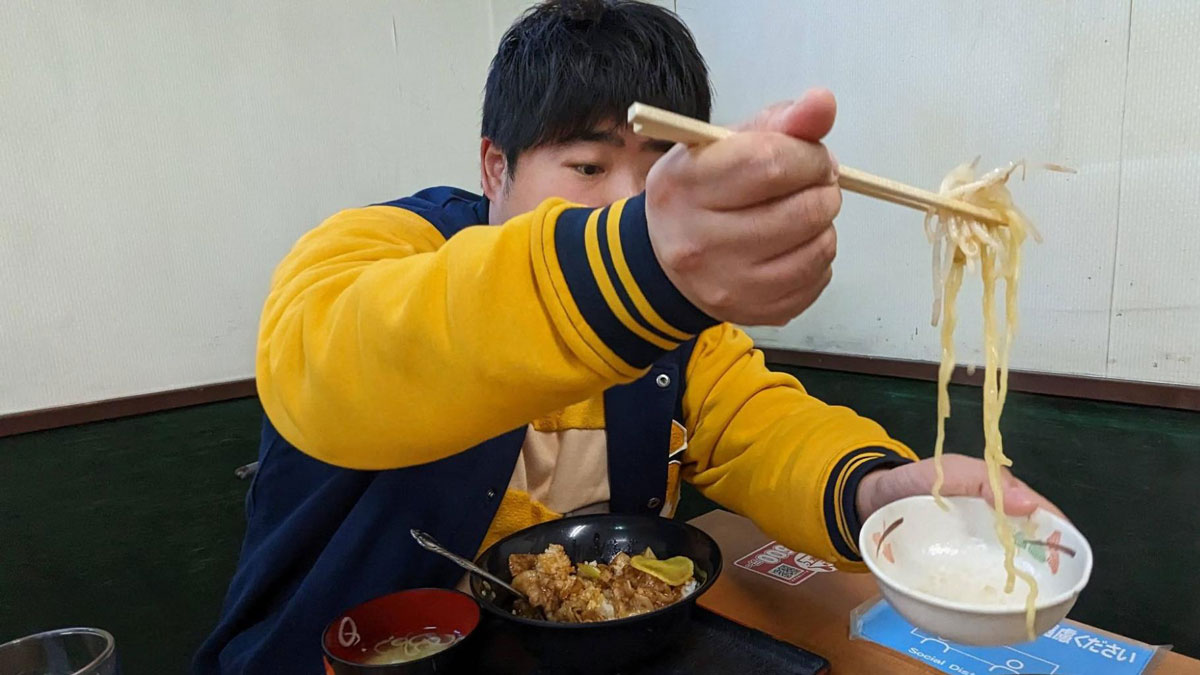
(624, 185)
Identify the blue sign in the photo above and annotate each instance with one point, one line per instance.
(1066, 649)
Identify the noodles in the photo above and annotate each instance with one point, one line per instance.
(960, 243)
(393, 650)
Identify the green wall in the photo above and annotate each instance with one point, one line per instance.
(134, 525)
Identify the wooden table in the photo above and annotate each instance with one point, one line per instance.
(815, 614)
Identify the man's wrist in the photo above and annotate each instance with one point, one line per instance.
(866, 501)
(852, 489)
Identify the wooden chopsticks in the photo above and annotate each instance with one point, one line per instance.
(664, 125)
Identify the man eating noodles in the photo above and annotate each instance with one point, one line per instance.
(472, 365)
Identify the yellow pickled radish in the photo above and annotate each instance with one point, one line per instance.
(588, 571)
(675, 571)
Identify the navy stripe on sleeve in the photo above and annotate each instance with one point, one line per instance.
(572, 259)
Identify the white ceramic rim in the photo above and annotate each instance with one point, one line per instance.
(1042, 603)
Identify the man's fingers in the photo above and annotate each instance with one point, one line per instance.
(755, 167)
(1019, 498)
(730, 222)
(965, 477)
(781, 225)
(1022, 500)
(777, 154)
(1019, 501)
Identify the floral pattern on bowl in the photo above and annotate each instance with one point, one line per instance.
(1044, 551)
(882, 546)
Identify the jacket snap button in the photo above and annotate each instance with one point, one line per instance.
(491, 494)
(654, 502)
(663, 381)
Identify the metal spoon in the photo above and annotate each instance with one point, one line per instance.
(430, 544)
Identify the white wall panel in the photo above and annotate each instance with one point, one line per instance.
(158, 159)
(1156, 302)
(923, 86)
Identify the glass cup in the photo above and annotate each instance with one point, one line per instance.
(67, 651)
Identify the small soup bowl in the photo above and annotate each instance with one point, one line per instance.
(943, 569)
(359, 641)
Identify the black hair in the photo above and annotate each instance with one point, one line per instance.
(567, 66)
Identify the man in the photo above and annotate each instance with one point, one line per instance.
(421, 371)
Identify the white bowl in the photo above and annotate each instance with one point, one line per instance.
(943, 570)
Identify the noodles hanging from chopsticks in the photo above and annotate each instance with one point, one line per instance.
(962, 244)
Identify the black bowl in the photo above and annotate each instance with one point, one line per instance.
(605, 645)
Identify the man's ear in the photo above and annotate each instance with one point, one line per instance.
(493, 169)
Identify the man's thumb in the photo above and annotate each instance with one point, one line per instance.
(809, 118)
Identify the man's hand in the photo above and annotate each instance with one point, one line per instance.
(744, 227)
(965, 476)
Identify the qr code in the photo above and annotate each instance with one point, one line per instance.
(783, 564)
(786, 572)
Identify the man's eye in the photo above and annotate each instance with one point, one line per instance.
(588, 169)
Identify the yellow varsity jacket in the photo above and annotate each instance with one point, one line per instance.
(385, 344)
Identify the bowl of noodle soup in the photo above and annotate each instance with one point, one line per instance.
(943, 568)
(415, 631)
